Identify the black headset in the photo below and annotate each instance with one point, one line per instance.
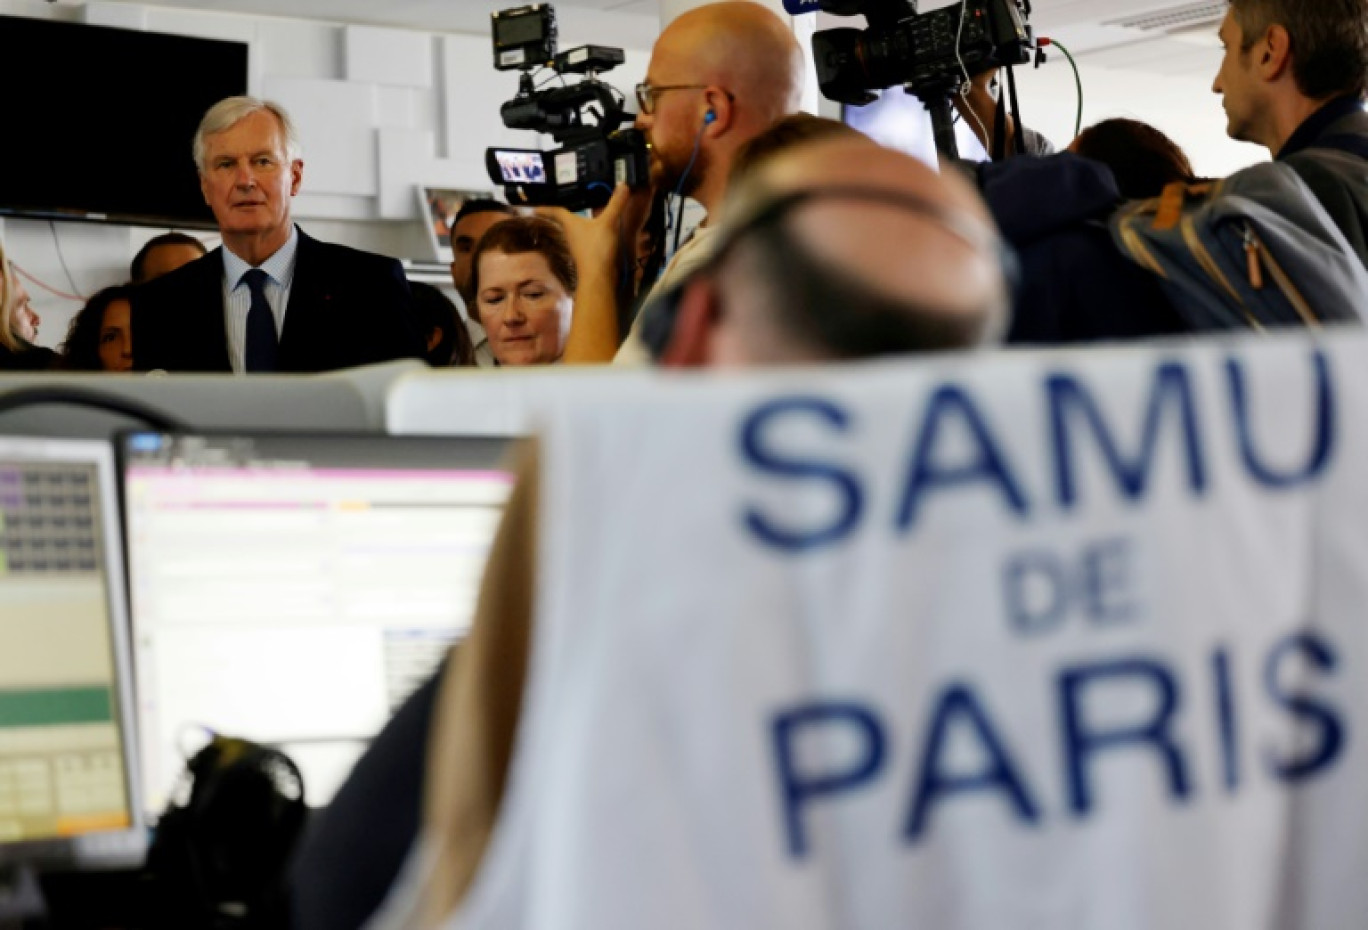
(658, 323)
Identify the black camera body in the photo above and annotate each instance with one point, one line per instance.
(929, 54)
(578, 176)
(594, 156)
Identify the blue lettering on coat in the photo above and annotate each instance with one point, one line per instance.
(1324, 718)
(1132, 474)
(987, 467)
(846, 486)
(1082, 742)
(1323, 417)
(999, 774)
(800, 788)
(1227, 724)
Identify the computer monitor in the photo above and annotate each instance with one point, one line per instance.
(294, 590)
(69, 770)
(900, 121)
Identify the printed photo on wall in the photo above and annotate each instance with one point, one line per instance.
(439, 206)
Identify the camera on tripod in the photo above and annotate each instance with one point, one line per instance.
(594, 156)
(929, 54)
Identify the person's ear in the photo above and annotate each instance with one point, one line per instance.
(1275, 53)
(722, 109)
(691, 340)
(296, 175)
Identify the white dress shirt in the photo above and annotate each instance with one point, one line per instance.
(633, 352)
(237, 296)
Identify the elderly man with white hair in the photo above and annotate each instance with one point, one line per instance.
(272, 299)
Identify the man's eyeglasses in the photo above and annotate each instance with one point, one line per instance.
(646, 94)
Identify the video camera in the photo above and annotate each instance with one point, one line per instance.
(594, 156)
(929, 54)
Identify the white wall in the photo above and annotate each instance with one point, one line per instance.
(1173, 95)
(1183, 106)
(379, 110)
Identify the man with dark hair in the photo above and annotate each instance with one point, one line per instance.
(472, 221)
(163, 254)
(1293, 80)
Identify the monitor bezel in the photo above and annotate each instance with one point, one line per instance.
(502, 456)
(104, 849)
(187, 214)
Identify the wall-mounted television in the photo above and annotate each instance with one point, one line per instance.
(99, 121)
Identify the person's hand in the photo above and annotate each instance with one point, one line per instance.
(636, 215)
(596, 242)
(978, 107)
(983, 82)
(977, 95)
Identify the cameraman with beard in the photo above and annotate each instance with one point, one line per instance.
(719, 76)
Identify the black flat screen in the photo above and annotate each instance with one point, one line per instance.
(99, 121)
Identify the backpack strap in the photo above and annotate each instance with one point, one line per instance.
(1174, 200)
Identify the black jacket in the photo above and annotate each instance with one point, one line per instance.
(347, 308)
(354, 849)
(31, 358)
(1340, 185)
(1075, 286)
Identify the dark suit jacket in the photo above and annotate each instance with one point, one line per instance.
(1075, 286)
(346, 308)
(1342, 185)
(354, 848)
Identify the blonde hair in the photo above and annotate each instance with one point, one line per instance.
(9, 294)
(230, 111)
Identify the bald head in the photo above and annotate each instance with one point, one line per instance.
(744, 47)
(891, 249)
(874, 254)
(725, 73)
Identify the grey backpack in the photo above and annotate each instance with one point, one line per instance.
(1255, 250)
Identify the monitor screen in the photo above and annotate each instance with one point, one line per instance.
(104, 125)
(521, 167)
(68, 759)
(295, 590)
(900, 121)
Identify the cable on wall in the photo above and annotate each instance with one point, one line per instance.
(1078, 80)
(57, 241)
(44, 285)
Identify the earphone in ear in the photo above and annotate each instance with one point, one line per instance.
(709, 117)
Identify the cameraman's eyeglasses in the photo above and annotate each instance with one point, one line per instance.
(646, 94)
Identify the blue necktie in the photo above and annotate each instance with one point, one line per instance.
(262, 344)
